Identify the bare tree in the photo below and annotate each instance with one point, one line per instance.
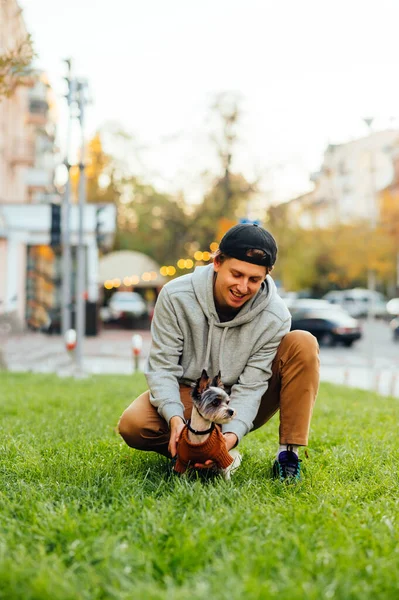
(14, 66)
(226, 110)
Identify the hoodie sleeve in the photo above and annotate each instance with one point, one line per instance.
(247, 393)
(164, 367)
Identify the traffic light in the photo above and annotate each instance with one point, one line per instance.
(55, 230)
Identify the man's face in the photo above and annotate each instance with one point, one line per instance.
(236, 282)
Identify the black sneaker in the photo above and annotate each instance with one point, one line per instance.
(287, 467)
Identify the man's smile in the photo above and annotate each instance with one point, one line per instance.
(237, 295)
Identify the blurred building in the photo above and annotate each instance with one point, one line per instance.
(41, 120)
(388, 201)
(28, 157)
(389, 198)
(31, 290)
(16, 149)
(349, 181)
(30, 252)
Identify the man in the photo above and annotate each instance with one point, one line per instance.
(228, 317)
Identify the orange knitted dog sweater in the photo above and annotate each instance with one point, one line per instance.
(214, 448)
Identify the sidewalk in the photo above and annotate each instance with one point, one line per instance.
(381, 379)
(109, 352)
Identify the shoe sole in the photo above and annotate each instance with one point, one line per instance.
(230, 470)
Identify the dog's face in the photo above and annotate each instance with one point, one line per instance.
(211, 401)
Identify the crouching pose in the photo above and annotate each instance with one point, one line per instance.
(227, 318)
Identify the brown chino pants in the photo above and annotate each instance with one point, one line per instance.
(292, 389)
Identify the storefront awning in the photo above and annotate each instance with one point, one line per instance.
(142, 270)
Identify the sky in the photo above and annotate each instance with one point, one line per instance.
(307, 73)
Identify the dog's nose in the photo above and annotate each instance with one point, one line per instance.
(231, 412)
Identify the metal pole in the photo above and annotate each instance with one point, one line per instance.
(81, 253)
(66, 260)
(371, 274)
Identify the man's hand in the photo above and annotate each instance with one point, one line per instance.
(231, 439)
(176, 425)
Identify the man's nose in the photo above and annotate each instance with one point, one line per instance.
(243, 286)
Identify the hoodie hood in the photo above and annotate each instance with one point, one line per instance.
(203, 280)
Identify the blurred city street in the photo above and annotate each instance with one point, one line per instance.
(102, 205)
(372, 363)
(109, 352)
(200, 179)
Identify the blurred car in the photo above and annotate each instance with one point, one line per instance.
(329, 324)
(126, 305)
(288, 297)
(393, 306)
(308, 303)
(359, 302)
(394, 325)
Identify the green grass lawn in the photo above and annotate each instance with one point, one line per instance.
(82, 516)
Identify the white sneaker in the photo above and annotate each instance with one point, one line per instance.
(231, 469)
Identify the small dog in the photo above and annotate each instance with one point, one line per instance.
(202, 439)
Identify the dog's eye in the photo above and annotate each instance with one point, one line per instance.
(215, 402)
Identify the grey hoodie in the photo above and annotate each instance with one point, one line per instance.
(187, 336)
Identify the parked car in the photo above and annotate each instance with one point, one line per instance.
(126, 305)
(358, 302)
(308, 303)
(393, 306)
(288, 297)
(330, 325)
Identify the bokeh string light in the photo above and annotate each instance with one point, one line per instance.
(165, 271)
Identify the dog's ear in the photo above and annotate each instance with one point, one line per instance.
(203, 381)
(201, 384)
(217, 381)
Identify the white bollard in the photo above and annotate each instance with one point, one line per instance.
(70, 339)
(377, 381)
(137, 346)
(393, 384)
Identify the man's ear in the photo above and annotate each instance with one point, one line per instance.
(217, 381)
(268, 271)
(216, 264)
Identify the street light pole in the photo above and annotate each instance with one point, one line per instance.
(66, 259)
(371, 275)
(81, 250)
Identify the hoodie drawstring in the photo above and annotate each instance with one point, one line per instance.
(221, 348)
(209, 344)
